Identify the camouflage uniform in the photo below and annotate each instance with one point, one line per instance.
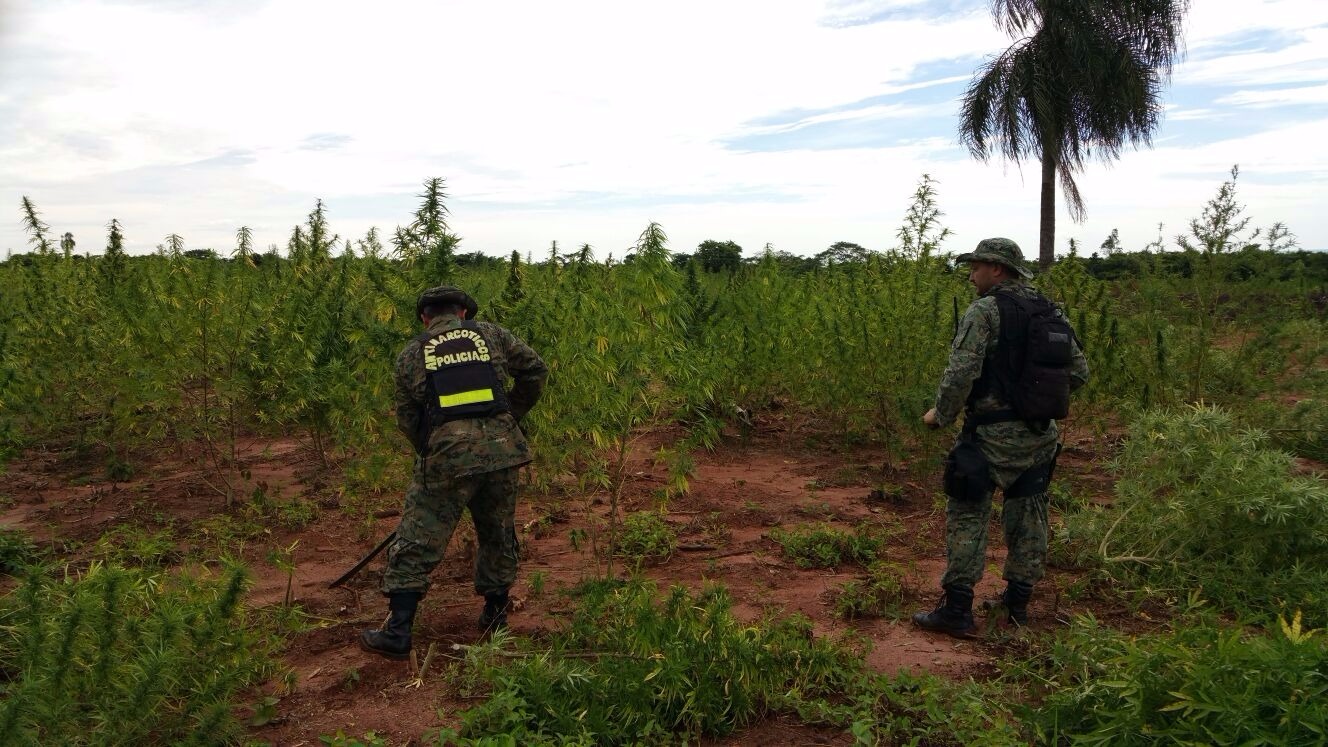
(470, 463)
(1010, 447)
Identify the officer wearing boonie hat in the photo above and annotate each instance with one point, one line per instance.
(1000, 251)
(446, 294)
(1001, 445)
(453, 404)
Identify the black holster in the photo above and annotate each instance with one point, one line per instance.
(1035, 480)
(967, 472)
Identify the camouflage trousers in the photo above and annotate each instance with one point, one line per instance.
(1013, 452)
(430, 516)
(1024, 519)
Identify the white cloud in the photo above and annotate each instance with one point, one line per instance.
(1185, 114)
(1209, 25)
(1278, 96)
(868, 113)
(1305, 61)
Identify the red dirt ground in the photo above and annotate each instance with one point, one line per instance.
(738, 494)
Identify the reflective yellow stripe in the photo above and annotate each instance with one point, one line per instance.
(465, 398)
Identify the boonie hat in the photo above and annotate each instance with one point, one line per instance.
(1002, 252)
(445, 294)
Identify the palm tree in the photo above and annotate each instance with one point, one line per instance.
(1082, 81)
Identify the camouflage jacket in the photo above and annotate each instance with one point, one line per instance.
(467, 447)
(974, 347)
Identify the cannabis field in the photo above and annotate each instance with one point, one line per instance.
(733, 510)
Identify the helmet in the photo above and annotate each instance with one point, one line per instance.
(446, 294)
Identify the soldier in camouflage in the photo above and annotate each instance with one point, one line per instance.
(1019, 454)
(453, 405)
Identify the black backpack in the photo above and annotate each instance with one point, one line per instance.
(1032, 371)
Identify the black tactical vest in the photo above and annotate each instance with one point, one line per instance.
(1031, 368)
(462, 382)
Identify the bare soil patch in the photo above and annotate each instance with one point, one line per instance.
(777, 477)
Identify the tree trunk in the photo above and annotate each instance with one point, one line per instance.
(1047, 233)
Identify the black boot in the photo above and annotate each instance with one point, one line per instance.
(393, 640)
(494, 616)
(954, 615)
(1015, 599)
(1012, 604)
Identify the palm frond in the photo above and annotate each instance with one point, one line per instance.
(1082, 81)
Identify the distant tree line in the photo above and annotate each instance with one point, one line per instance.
(1252, 262)
(1248, 263)
(726, 256)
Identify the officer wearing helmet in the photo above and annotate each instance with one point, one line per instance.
(453, 404)
(1013, 362)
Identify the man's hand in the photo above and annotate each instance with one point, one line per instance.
(930, 418)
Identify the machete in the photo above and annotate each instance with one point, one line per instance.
(348, 575)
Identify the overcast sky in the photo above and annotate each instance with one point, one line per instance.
(791, 123)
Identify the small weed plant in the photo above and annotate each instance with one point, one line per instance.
(127, 544)
(1200, 683)
(153, 658)
(881, 593)
(637, 667)
(341, 739)
(16, 550)
(824, 546)
(1204, 504)
(633, 667)
(646, 537)
(535, 582)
